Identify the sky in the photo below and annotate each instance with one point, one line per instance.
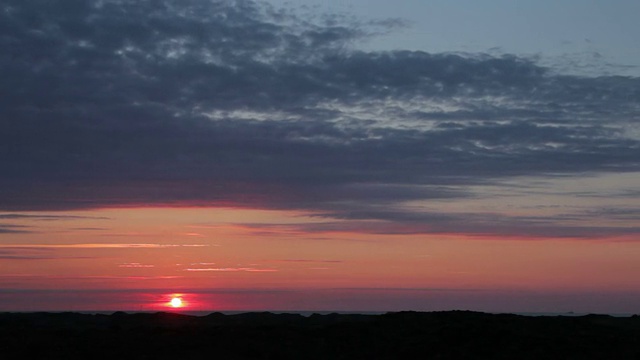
(320, 155)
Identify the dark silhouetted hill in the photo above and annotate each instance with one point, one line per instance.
(403, 335)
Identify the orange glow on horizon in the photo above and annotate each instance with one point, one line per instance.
(250, 259)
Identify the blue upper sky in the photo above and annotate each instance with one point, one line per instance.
(586, 37)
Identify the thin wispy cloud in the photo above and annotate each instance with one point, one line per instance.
(312, 261)
(14, 229)
(19, 255)
(50, 217)
(97, 246)
(135, 265)
(230, 269)
(90, 229)
(36, 277)
(404, 222)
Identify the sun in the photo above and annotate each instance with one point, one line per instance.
(176, 302)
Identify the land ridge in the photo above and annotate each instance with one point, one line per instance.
(265, 335)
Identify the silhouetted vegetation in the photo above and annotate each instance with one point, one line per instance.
(404, 335)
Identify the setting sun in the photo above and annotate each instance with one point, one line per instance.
(176, 302)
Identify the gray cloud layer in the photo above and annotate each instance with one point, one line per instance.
(108, 103)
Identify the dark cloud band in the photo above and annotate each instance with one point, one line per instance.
(210, 103)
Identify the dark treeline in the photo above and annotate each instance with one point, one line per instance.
(403, 335)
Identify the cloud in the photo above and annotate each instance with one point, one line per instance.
(81, 277)
(90, 229)
(312, 261)
(230, 269)
(13, 229)
(19, 254)
(49, 217)
(34, 253)
(96, 246)
(458, 224)
(237, 103)
(24, 229)
(135, 265)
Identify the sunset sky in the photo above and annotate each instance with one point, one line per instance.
(354, 155)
